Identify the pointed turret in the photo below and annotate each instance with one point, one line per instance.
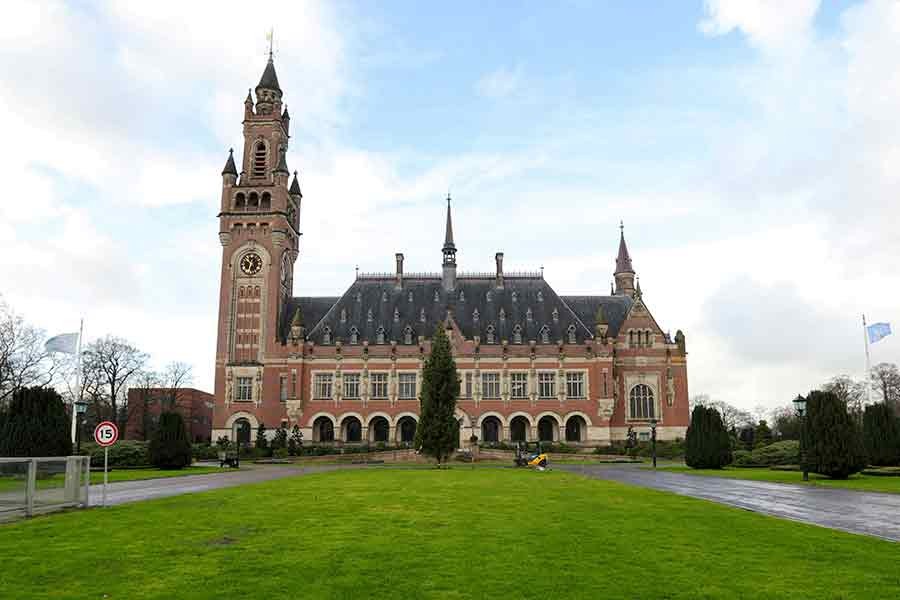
(295, 187)
(286, 120)
(624, 273)
(449, 250)
(269, 79)
(268, 92)
(230, 168)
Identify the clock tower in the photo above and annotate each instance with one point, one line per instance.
(258, 229)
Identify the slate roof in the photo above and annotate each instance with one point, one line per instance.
(269, 79)
(422, 303)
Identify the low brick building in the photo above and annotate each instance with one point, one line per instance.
(146, 404)
(534, 364)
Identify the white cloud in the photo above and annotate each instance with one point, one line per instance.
(771, 25)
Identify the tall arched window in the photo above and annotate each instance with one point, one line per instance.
(240, 201)
(545, 335)
(253, 202)
(379, 336)
(641, 402)
(571, 333)
(326, 335)
(266, 202)
(517, 334)
(490, 334)
(354, 335)
(259, 160)
(408, 335)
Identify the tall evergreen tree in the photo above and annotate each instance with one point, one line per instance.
(35, 423)
(831, 437)
(170, 447)
(881, 435)
(436, 433)
(707, 444)
(762, 435)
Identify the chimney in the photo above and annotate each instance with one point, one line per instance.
(398, 279)
(499, 259)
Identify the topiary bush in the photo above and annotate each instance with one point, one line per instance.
(832, 439)
(881, 435)
(121, 454)
(707, 444)
(777, 454)
(170, 447)
(35, 423)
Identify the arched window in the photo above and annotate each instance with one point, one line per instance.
(517, 334)
(640, 400)
(354, 335)
(242, 431)
(571, 333)
(379, 429)
(266, 202)
(326, 335)
(630, 338)
(407, 427)
(379, 336)
(518, 429)
(253, 202)
(259, 160)
(240, 201)
(323, 430)
(575, 429)
(545, 335)
(490, 334)
(547, 429)
(408, 335)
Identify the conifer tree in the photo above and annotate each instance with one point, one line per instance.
(881, 435)
(262, 442)
(707, 444)
(436, 432)
(170, 447)
(831, 437)
(35, 423)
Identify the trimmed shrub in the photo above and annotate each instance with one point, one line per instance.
(707, 445)
(122, 454)
(205, 452)
(170, 447)
(832, 439)
(35, 423)
(881, 435)
(777, 454)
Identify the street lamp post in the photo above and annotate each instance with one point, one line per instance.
(80, 409)
(653, 440)
(800, 406)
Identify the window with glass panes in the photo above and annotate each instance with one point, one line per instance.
(243, 391)
(518, 385)
(379, 383)
(323, 382)
(490, 385)
(282, 388)
(575, 385)
(467, 390)
(546, 384)
(351, 385)
(407, 385)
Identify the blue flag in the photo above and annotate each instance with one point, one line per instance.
(876, 331)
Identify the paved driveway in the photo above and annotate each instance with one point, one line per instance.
(867, 513)
(132, 491)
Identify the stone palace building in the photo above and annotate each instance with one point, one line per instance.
(534, 365)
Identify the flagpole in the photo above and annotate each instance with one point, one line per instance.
(868, 383)
(77, 396)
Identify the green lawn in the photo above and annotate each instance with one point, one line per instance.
(460, 533)
(54, 481)
(868, 483)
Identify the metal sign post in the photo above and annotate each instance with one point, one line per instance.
(106, 434)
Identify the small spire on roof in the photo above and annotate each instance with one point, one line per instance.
(249, 99)
(623, 260)
(230, 169)
(285, 116)
(448, 233)
(295, 187)
(282, 163)
(298, 318)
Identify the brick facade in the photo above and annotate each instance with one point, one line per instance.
(146, 404)
(533, 364)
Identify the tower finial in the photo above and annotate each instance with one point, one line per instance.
(622, 227)
(271, 38)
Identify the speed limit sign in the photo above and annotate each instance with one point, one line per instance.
(106, 434)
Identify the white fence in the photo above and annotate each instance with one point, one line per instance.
(30, 486)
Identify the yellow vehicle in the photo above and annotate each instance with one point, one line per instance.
(531, 455)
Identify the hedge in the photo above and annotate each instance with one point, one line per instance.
(777, 454)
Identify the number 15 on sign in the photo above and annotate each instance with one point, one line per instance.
(106, 434)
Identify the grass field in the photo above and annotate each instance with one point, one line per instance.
(868, 483)
(55, 481)
(461, 533)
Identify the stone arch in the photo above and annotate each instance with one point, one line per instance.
(520, 413)
(405, 430)
(378, 429)
(351, 424)
(242, 414)
(576, 428)
(323, 429)
(548, 424)
(578, 413)
(520, 428)
(491, 429)
(490, 413)
(330, 416)
(378, 413)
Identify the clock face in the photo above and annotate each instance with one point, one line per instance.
(251, 263)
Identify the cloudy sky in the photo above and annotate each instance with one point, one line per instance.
(752, 149)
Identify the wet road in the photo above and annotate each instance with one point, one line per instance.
(866, 513)
(147, 489)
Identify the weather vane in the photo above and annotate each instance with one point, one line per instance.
(270, 37)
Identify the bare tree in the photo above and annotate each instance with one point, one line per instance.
(24, 361)
(175, 377)
(732, 416)
(885, 380)
(851, 392)
(113, 362)
(146, 387)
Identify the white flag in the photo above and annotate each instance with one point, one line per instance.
(64, 342)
